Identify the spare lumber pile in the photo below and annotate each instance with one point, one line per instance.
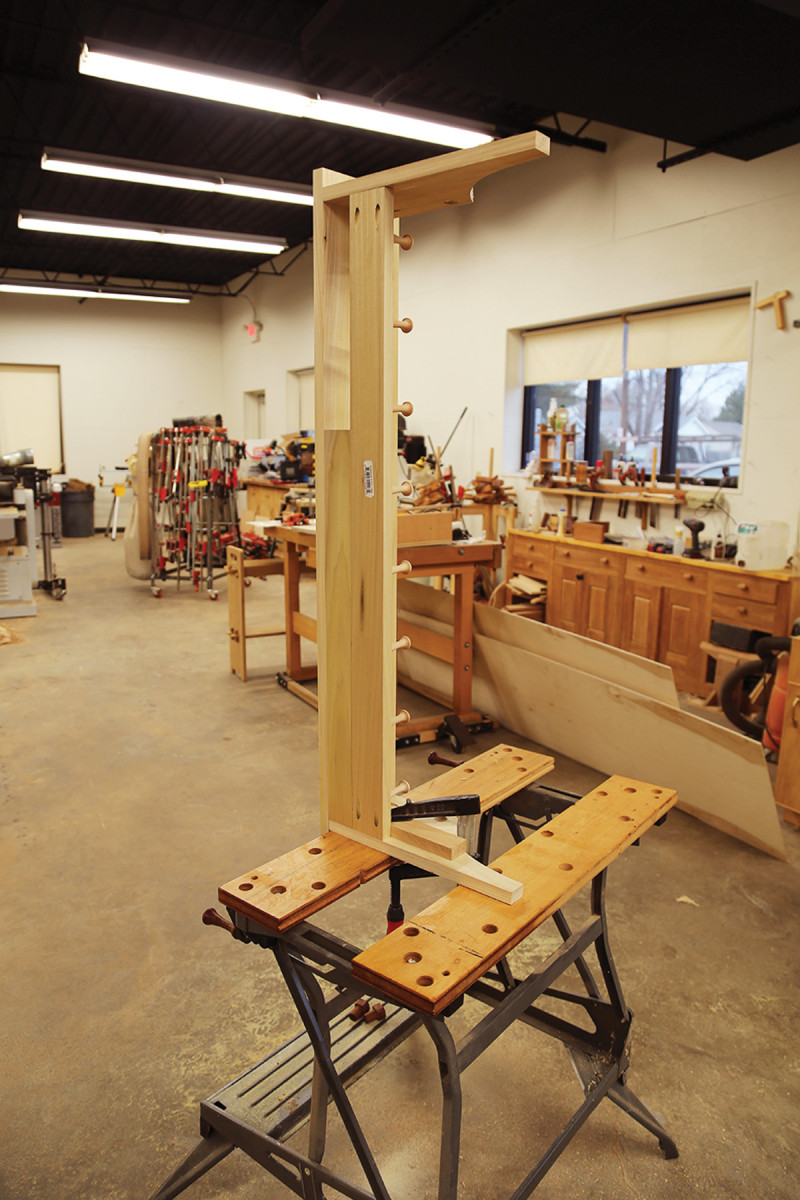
(489, 489)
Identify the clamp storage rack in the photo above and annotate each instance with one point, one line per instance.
(193, 478)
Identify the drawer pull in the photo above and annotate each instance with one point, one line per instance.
(567, 554)
(640, 566)
(743, 587)
(688, 575)
(795, 703)
(742, 609)
(604, 561)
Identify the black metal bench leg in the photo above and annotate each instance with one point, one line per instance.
(299, 989)
(450, 1077)
(207, 1153)
(622, 1096)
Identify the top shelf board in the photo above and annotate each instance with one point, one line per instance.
(444, 181)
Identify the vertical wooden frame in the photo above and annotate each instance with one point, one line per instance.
(332, 472)
(355, 300)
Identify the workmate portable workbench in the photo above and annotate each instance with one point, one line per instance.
(456, 952)
(358, 1005)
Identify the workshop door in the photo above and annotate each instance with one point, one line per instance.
(30, 413)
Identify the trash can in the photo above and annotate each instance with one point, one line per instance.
(77, 512)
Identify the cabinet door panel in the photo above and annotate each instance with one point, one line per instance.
(565, 600)
(602, 610)
(641, 617)
(683, 619)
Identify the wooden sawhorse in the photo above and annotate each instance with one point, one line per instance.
(420, 974)
(239, 570)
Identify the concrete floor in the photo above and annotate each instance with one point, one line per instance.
(137, 773)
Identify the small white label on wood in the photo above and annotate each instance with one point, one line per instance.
(369, 479)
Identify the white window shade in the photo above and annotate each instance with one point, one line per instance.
(712, 333)
(592, 350)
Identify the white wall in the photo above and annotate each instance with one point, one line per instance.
(574, 235)
(284, 304)
(126, 368)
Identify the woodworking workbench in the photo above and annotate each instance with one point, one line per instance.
(421, 972)
(359, 1005)
(456, 559)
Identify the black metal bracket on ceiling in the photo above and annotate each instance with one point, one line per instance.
(149, 286)
(563, 138)
(722, 145)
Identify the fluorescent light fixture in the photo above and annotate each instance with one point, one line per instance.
(124, 65)
(32, 289)
(97, 166)
(134, 232)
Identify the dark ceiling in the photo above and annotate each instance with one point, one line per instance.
(719, 76)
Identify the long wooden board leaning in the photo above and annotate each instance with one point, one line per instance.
(567, 693)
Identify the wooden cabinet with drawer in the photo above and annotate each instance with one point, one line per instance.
(664, 606)
(749, 600)
(658, 607)
(584, 592)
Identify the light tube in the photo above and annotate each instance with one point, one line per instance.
(132, 232)
(252, 91)
(67, 162)
(86, 294)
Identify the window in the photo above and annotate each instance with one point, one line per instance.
(670, 381)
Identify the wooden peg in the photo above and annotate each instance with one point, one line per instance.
(404, 240)
(402, 717)
(776, 300)
(402, 789)
(406, 488)
(403, 568)
(405, 325)
(403, 643)
(406, 408)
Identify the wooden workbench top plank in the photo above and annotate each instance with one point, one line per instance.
(433, 959)
(494, 775)
(289, 889)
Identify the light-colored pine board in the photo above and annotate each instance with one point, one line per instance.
(447, 179)
(428, 835)
(464, 869)
(372, 528)
(434, 958)
(292, 888)
(720, 775)
(332, 453)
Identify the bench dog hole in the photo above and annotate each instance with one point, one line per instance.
(411, 931)
(315, 850)
(278, 890)
(413, 957)
(565, 866)
(489, 928)
(318, 886)
(425, 981)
